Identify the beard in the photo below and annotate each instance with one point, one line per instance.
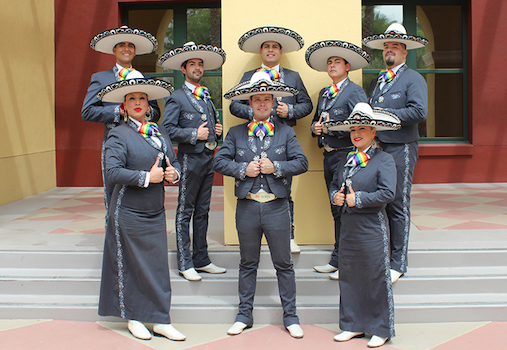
(389, 60)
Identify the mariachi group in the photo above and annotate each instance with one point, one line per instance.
(370, 150)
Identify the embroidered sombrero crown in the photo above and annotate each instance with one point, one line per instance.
(212, 57)
(260, 83)
(317, 54)
(363, 114)
(252, 40)
(105, 41)
(395, 32)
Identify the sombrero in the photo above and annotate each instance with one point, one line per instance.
(144, 42)
(135, 82)
(212, 56)
(363, 114)
(316, 55)
(395, 32)
(260, 83)
(252, 40)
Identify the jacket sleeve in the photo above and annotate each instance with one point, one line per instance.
(304, 104)
(416, 108)
(94, 110)
(386, 186)
(116, 162)
(170, 121)
(224, 161)
(296, 162)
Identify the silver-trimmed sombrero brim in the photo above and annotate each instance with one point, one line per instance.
(154, 88)
(316, 55)
(252, 40)
(376, 41)
(144, 42)
(246, 89)
(213, 57)
(383, 120)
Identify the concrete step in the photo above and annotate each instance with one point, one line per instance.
(440, 286)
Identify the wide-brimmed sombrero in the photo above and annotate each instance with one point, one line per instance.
(260, 83)
(212, 56)
(135, 82)
(395, 32)
(252, 40)
(316, 55)
(363, 114)
(144, 42)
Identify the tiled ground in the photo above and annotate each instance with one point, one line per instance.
(453, 207)
(75, 335)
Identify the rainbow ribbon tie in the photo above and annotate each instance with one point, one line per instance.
(386, 75)
(273, 74)
(124, 72)
(148, 129)
(201, 92)
(357, 158)
(261, 128)
(331, 91)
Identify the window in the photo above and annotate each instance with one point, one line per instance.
(442, 62)
(173, 25)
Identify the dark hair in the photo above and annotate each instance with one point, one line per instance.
(272, 41)
(184, 64)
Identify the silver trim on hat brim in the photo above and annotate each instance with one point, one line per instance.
(316, 55)
(252, 40)
(376, 41)
(154, 88)
(144, 42)
(212, 57)
(382, 121)
(244, 90)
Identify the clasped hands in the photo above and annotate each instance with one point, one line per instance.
(340, 198)
(262, 166)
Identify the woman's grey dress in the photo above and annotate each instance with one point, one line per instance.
(366, 297)
(135, 281)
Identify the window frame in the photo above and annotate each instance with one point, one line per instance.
(410, 23)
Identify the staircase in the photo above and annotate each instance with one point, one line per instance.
(442, 285)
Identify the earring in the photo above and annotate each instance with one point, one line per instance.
(148, 114)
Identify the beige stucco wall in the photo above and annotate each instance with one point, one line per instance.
(314, 21)
(27, 144)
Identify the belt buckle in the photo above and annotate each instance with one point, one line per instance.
(262, 197)
(211, 145)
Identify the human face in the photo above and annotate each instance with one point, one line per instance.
(271, 52)
(262, 105)
(125, 53)
(193, 71)
(136, 105)
(337, 69)
(394, 54)
(362, 136)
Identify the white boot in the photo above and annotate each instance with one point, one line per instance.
(190, 274)
(168, 331)
(138, 330)
(211, 268)
(335, 276)
(346, 336)
(236, 328)
(328, 268)
(395, 275)
(376, 341)
(295, 331)
(294, 248)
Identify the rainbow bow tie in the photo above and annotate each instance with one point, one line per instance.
(148, 129)
(357, 158)
(124, 72)
(201, 92)
(260, 129)
(386, 75)
(273, 74)
(331, 91)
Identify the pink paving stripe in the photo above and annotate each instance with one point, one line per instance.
(56, 335)
(491, 194)
(95, 200)
(83, 208)
(63, 217)
(434, 195)
(441, 204)
(476, 225)
(492, 336)
(62, 231)
(277, 338)
(95, 231)
(462, 215)
(501, 203)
